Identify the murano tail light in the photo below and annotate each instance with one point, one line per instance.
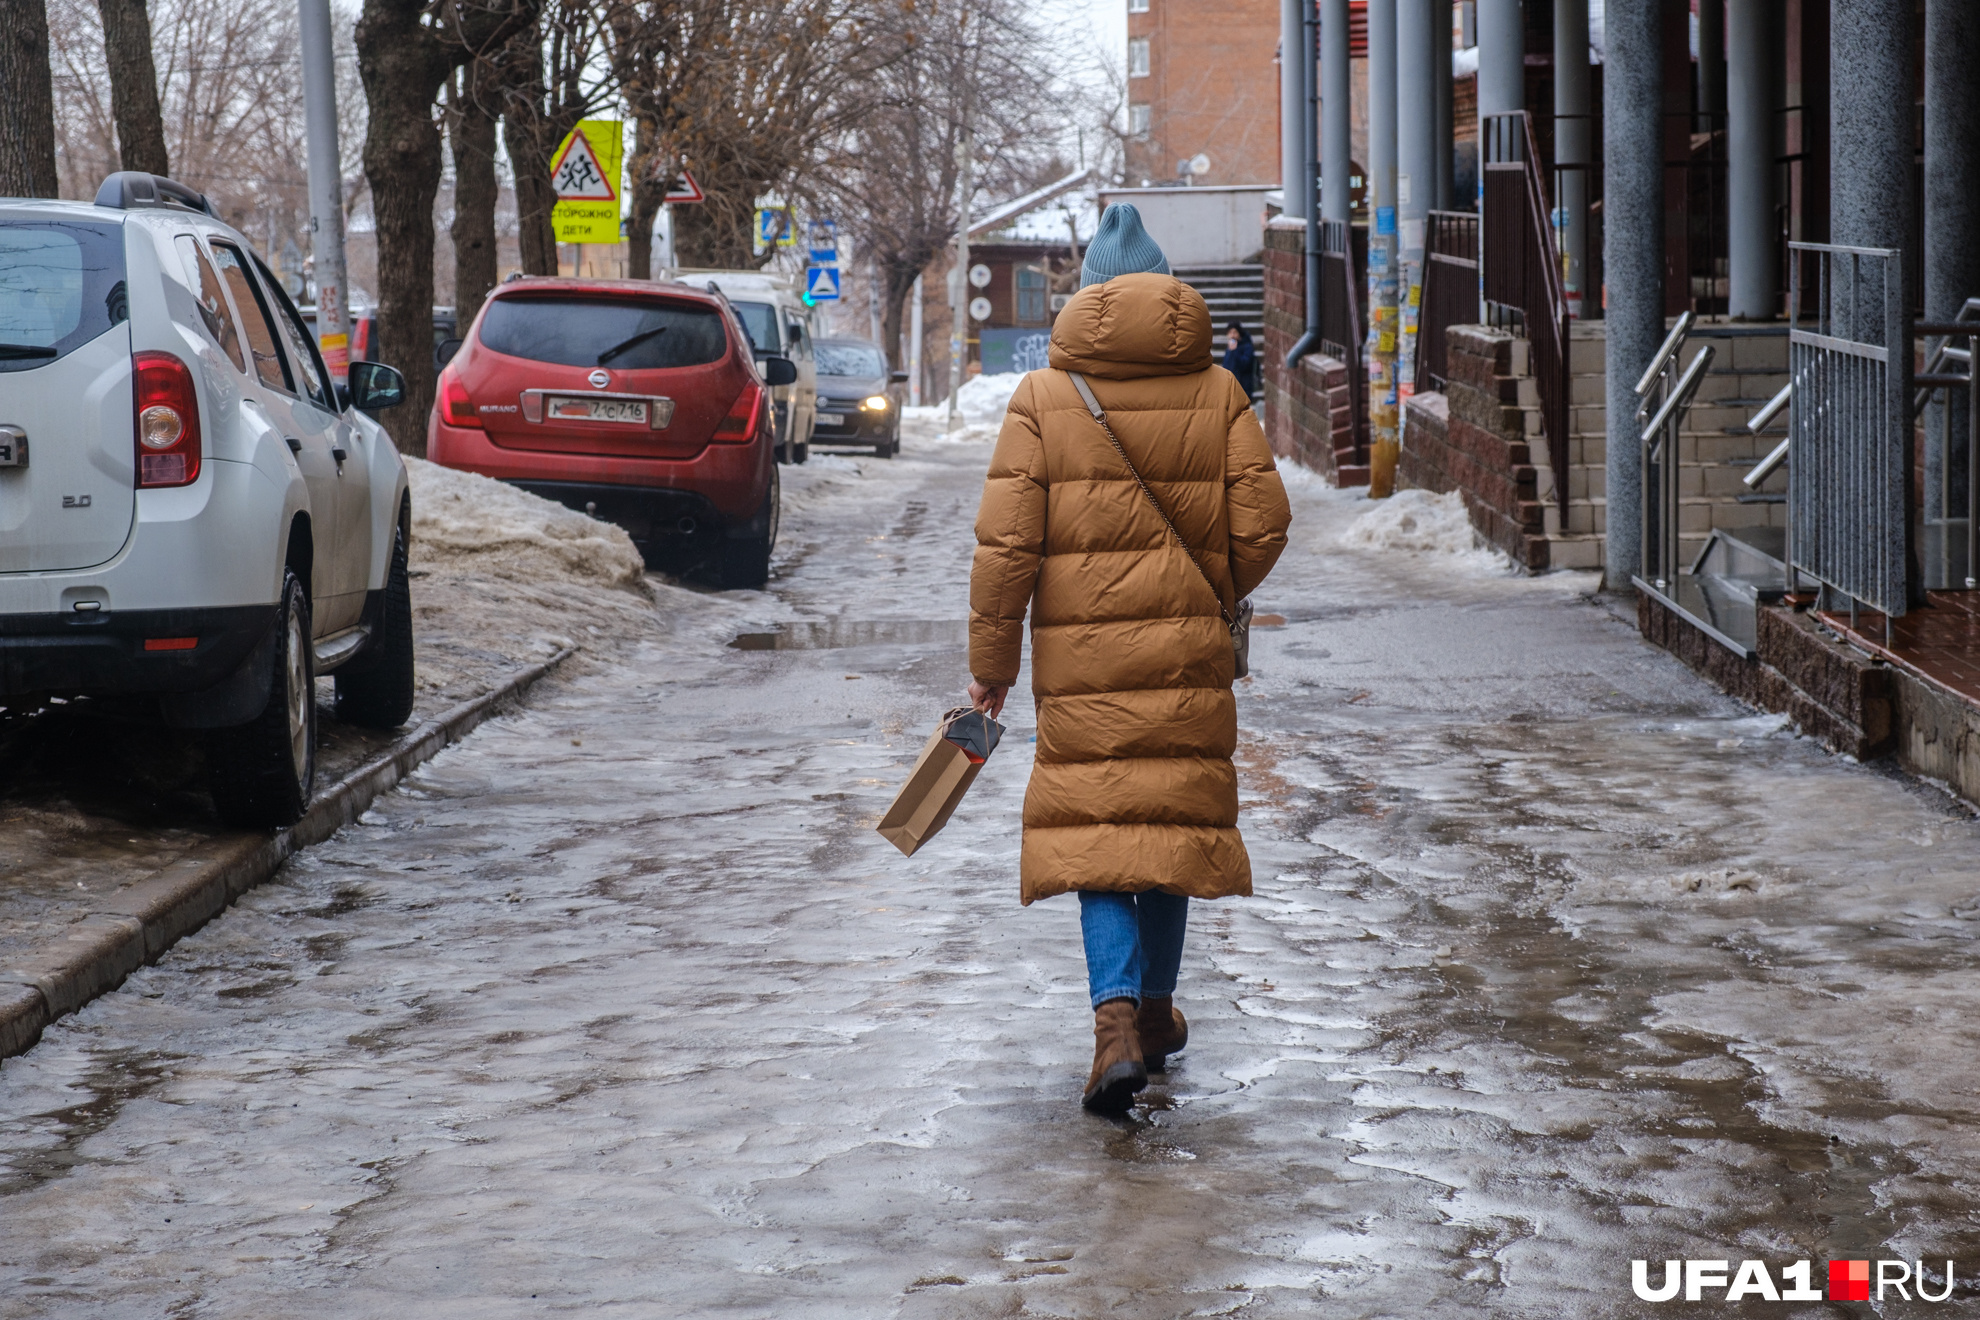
(740, 425)
(456, 408)
(167, 420)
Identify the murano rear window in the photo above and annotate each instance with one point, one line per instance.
(621, 334)
(61, 285)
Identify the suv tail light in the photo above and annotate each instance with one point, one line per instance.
(456, 408)
(167, 420)
(740, 425)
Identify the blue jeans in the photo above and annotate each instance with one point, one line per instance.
(1133, 943)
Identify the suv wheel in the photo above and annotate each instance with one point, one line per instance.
(745, 563)
(261, 772)
(375, 691)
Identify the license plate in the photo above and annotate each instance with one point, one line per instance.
(831, 419)
(599, 410)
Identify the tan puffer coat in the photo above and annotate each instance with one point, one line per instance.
(1133, 786)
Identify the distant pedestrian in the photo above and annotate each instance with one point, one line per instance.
(1133, 798)
(1241, 357)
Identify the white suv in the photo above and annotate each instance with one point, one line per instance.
(193, 517)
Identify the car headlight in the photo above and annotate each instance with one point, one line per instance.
(876, 403)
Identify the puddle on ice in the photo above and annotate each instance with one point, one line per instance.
(835, 634)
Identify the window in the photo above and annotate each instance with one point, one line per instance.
(840, 358)
(213, 311)
(1137, 6)
(1138, 121)
(760, 322)
(1138, 58)
(604, 332)
(268, 363)
(61, 285)
(1030, 295)
(298, 340)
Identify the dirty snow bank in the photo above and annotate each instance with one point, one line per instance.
(502, 577)
(1418, 522)
(982, 401)
(488, 526)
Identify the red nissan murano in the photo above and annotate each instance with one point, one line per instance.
(636, 402)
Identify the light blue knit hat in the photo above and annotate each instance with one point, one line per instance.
(1120, 247)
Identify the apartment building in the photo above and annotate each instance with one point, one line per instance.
(1203, 91)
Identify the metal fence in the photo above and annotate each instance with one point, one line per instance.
(1849, 437)
(1522, 269)
(1342, 329)
(1450, 292)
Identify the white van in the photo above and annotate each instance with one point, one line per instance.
(778, 323)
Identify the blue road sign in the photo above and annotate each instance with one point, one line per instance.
(821, 284)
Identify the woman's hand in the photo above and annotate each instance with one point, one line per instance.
(989, 699)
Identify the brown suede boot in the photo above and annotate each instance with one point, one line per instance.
(1162, 1030)
(1117, 1069)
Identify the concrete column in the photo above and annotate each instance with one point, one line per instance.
(1952, 220)
(1384, 254)
(1632, 257)
(1336, 136)
(1292, 108)
(1445, 197)
(1870, 140)
(1573, 133)
(1501, 56)
(1755, 69)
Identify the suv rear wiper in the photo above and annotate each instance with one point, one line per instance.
(633, 342)
(14, 352)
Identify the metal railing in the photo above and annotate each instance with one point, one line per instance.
(1664, 394)
(1849, 436)
(1341, 327)
(1934, 377)
(1450, 292)
(1522, 270)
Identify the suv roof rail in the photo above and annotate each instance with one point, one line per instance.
(130, 189)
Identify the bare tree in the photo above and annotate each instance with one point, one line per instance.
(742, 92)
(471, 120)
(27, 142)
(406, 51)
(134, 85)
(553, 75)
(963, 65)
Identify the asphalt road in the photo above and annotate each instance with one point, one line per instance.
(1558, 959)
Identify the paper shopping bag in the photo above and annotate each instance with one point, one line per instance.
(943, 772)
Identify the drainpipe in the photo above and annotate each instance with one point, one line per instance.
(1309, 134)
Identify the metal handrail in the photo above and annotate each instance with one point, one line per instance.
(1673, 344)
(1680, 396)
(1659, 439)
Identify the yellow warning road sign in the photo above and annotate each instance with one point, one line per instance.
(586, 176)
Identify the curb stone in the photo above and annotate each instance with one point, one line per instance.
(137, 924)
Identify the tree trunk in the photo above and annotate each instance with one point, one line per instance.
(472, 129)
(523, 131)
(646, 193)
(27, 142)
(403, 68)
(718, 234)
(134, 86)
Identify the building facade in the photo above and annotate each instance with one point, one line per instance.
(1202, 91)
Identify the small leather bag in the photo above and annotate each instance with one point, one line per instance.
(1239, 622)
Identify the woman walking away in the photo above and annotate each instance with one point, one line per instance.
(1133, 799)
(1241, 357)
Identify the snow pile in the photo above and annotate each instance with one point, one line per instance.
(474, 523)
(1421, 523)
(985, 398)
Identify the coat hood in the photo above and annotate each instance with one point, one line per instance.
(1133, 326)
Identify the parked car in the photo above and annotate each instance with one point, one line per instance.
(193, 516)
(779, 325)
(639, 403)
(859, 400)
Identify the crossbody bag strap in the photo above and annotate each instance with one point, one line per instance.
(1100, 416)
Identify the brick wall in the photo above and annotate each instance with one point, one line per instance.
(1306, 408)
(1212, 87)
(1474, 438)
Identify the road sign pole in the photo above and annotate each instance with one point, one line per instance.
(959, 329)
(326, 205)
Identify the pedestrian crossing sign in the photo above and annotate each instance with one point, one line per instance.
(585, 176)
(821, 284)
